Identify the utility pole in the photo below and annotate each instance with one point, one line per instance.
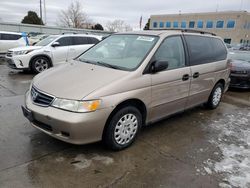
(44, 8)
(41, 11)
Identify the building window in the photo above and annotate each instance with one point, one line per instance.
(200, 24)
(161, 24)
(191, 24)
(241, 40)
(168, 24)
(230, 23)
(176, 24)
(155, 24)
(220, 24)
(183, 24)
(209, 24)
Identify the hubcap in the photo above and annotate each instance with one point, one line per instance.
(126, 129)
(217, 96)
(41, 65)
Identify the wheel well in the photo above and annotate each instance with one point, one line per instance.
(131, 102)
(50, 61)
(222, 82)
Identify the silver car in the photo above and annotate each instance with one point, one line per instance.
(126, 81)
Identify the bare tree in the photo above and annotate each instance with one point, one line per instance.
(73, 16)
(118, 26)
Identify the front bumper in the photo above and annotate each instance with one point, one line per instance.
(18, 62)
(75, 128)
(240, 81)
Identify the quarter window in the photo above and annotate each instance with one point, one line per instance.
(171, 50)
(220, 24)
(93, 40)
(205, 49)
(230, 24)
(200, 24)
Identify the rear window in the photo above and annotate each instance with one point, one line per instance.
(205, 49)
(4, 36)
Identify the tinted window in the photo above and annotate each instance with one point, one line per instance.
(80, 40)
(205, 49)
(93, 40)
(230, 24)
(200, 24)
(183, 24)
(155, 24)
(171, 50)
(161, 24)
(168, 24)
(65, 41)
(220, 24)
(191, 24)
(9, 36)
(209, 24)
(175, 24)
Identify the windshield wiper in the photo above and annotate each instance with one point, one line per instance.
(106, 65)
(87, 61)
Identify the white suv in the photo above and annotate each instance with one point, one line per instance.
(10, 40)
(53, 50)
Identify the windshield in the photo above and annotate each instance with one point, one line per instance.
(125, 52)
(46, 41)
(238, 55)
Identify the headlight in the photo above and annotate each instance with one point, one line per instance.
(22, 52)
(77, 106)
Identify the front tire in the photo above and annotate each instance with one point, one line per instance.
(40, 64)
(215, 96)
(123, 128)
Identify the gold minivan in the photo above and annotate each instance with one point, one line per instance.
(126, 81)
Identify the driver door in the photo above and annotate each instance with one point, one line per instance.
(60, 53)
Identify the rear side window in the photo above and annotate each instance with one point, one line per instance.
(93, 40)
(64, 41)
(80, 40)
(9, 36)
(205, 49)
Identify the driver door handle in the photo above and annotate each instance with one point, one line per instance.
(196, 75)
(185, 77)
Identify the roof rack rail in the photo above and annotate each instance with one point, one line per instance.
(187, 31)
(68, 33)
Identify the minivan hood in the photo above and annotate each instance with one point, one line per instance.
(26, 48)
(75, 80)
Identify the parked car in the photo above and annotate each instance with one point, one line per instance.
(126, 81)
(53, 50)
(36, 39)
(240, 69)
(10, 40)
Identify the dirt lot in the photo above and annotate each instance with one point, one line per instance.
(198, 148)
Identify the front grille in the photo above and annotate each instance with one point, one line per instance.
(40, 98)
(239, 71)
(9, 54)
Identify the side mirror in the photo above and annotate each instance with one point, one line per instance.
(55, 44)
(159, 66)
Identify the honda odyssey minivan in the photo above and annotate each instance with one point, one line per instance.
(126, 81)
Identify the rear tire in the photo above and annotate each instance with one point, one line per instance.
(215, 96)
(123, 128)
(40, 64)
